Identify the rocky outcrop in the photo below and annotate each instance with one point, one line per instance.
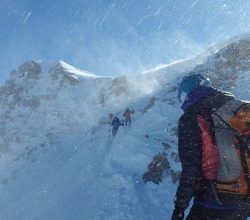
(58, 73)
(156, 168)
(224, 66)
(28, 70)
(117, 88)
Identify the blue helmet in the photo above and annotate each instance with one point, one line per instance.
(190, 83)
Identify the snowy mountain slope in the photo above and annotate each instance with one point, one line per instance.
(56, 161)
(64, 134)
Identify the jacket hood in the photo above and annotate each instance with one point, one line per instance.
(197, 95)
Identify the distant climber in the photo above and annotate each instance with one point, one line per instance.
(127, 115)
(116, 123)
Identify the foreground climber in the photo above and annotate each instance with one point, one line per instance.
(213, 145)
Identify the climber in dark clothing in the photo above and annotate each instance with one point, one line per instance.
(116, 123)
(201, 99)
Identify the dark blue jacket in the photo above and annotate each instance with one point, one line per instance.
(116, 123)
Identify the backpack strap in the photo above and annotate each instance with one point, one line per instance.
(215, 194)
(227, 124)
(243, 151)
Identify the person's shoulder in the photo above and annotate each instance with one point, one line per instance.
(212, 102)
(221, 97)
(187, 116)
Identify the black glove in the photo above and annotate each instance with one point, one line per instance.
(178, 214)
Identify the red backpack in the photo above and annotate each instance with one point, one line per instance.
(210, 154)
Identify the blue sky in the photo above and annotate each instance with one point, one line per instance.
(114, 37)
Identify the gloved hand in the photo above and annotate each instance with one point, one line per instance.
(178, 213)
